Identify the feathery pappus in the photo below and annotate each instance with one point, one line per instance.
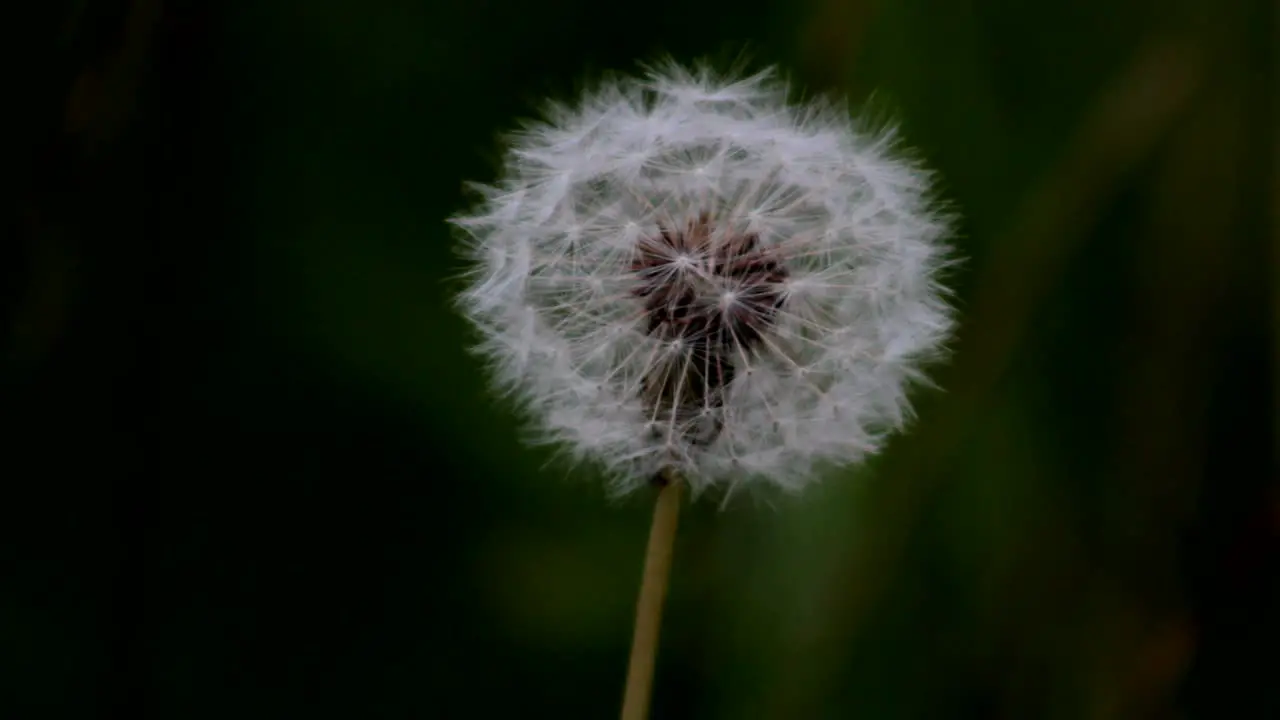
(684, 272)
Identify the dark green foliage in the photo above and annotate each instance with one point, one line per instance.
(250, 470)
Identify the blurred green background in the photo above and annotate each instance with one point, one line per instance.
(251, 472)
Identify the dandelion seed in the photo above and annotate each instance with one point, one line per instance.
(683, 273)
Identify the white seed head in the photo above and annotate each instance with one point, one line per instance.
(685, 272)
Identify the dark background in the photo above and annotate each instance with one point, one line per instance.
(250, 471)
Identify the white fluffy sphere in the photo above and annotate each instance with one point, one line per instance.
(684, 272)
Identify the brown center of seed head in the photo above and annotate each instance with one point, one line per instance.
(712, 296)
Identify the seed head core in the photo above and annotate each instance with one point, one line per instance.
(710, 294)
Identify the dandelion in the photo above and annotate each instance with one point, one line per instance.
(685, 277)
(685, 273)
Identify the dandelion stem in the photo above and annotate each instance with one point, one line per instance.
(653, 593)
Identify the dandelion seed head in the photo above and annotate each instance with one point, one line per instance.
(685, 272)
